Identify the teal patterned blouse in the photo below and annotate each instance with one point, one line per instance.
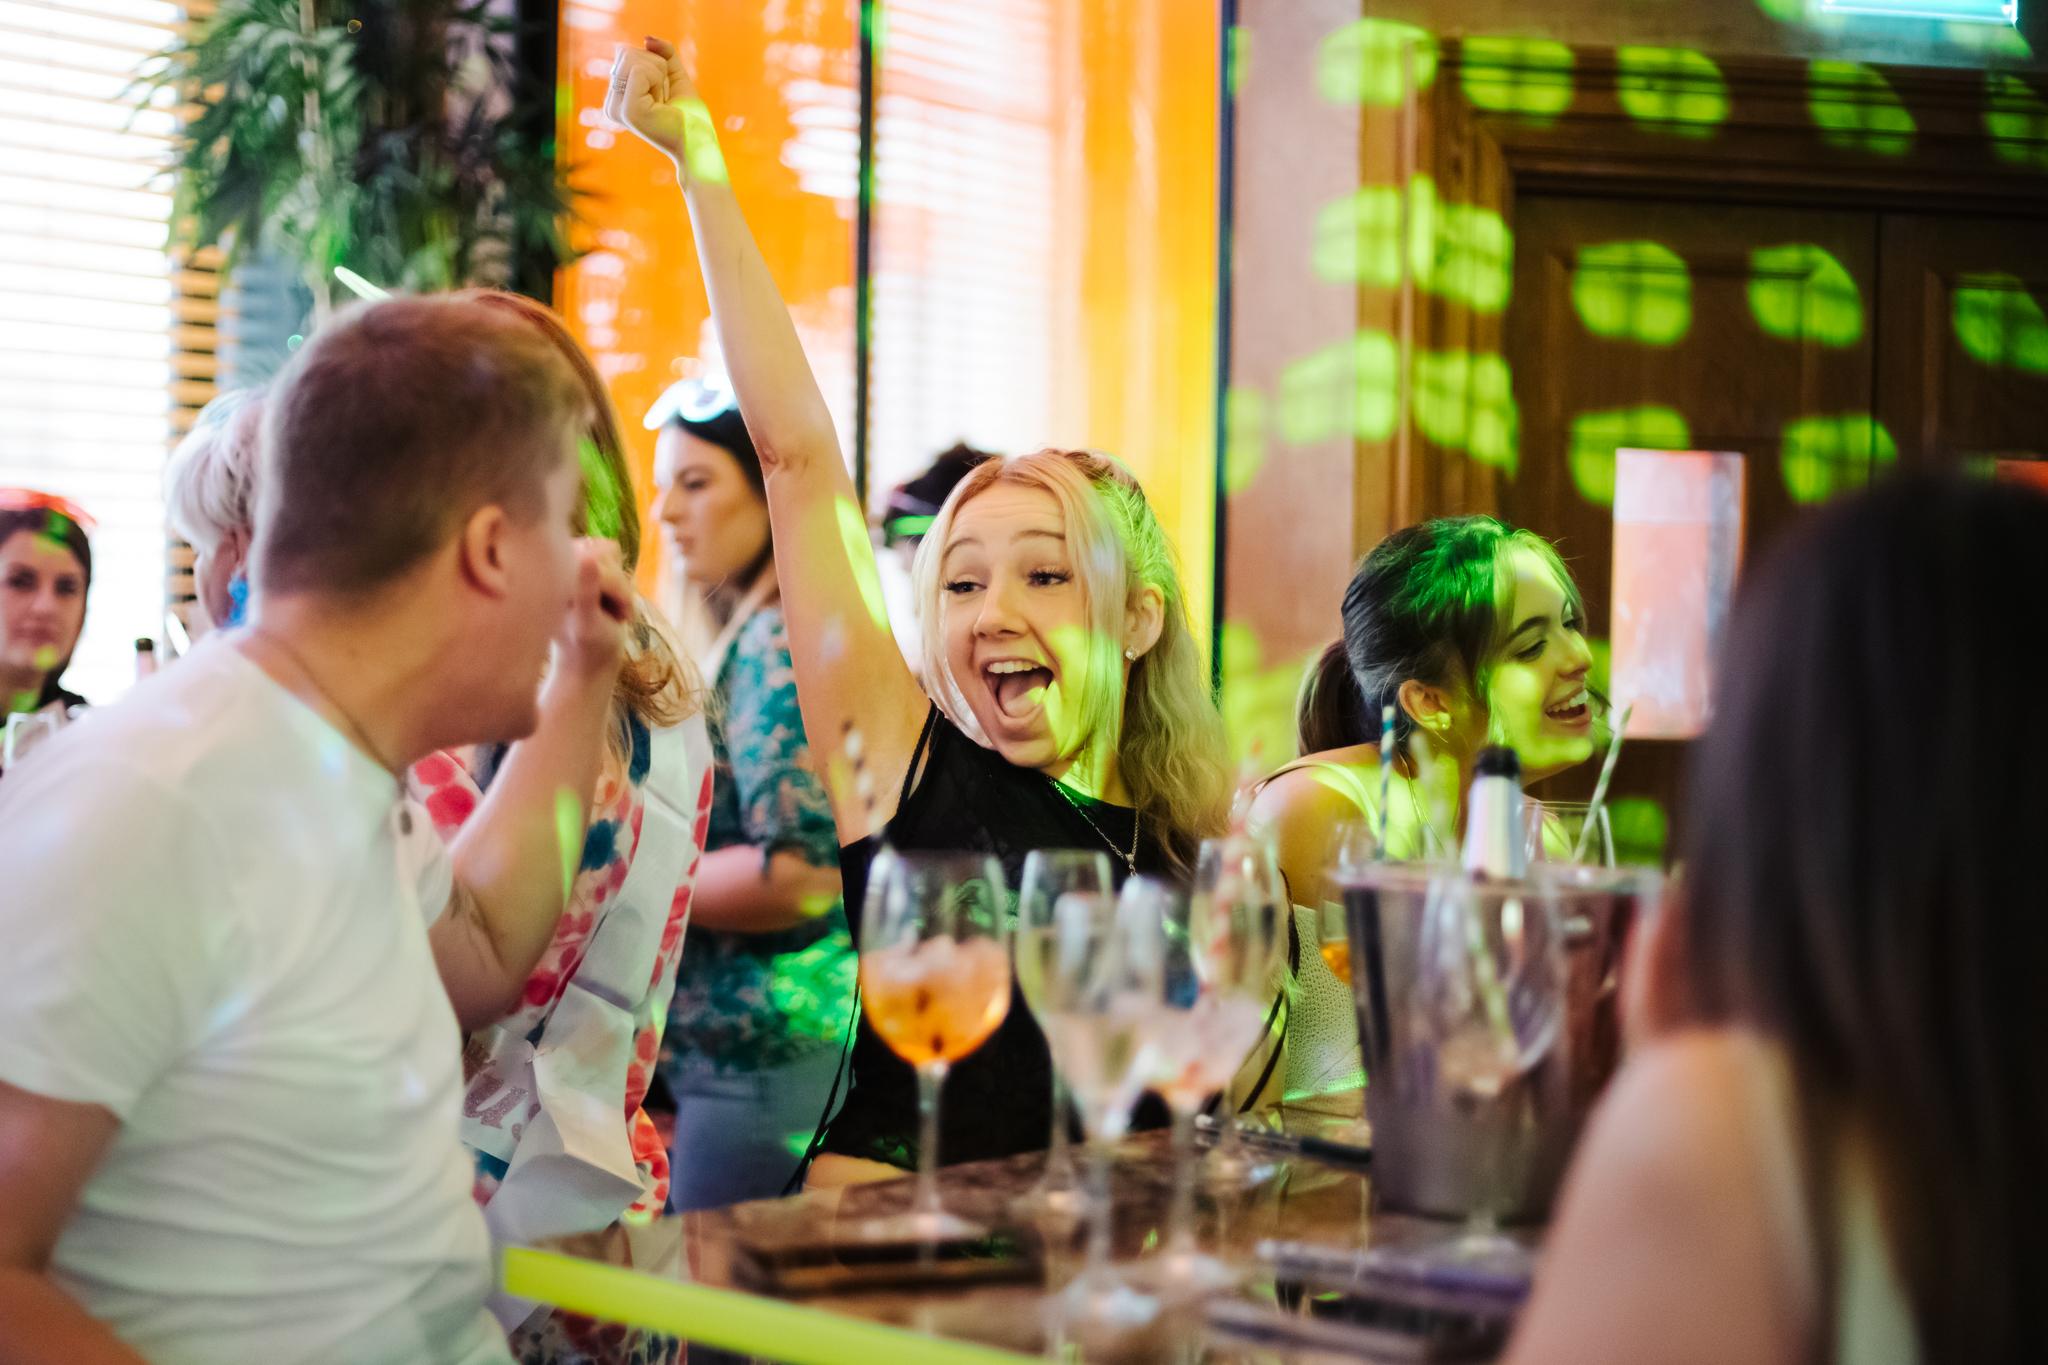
(748, 1002)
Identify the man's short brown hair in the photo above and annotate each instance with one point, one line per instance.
(390, 429)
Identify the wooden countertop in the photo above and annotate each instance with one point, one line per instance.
(690, 1272)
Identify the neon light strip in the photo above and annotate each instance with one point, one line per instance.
(1955, 11)
(728, 1319)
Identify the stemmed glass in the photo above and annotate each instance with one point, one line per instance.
(935, 983)
(1048, 875)
(1554, 831)
(1216, 987)
(1237, 877)
(1100, 990)
(1488, 1006)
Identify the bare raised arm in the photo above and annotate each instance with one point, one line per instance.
(851, 679)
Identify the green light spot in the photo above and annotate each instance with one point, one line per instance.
(1244, 437)
(1641, 830)
(2017, 120)
(1460, 252)
(1370, 62)
(1856, 109)
(1672, 90)
(1999, 323)
(568, 835)
(1784, 11)
(1467, 402)
(1596, 436)
(1236, 55)
(1531, 77)
(1351, 388)
(860, 559)
(23, 701)
(1996, 40)
(1802, 293)
(700, 143)
(1822, 456)
(1633, 291)
(1358, 238)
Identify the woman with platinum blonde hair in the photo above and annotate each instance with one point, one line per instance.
(210, 492)
(1070, 705)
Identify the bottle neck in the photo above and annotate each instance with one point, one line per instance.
(1493, 829)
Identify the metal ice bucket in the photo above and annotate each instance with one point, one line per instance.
(1433, 1152)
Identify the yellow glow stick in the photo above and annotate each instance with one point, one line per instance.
(727, 1319)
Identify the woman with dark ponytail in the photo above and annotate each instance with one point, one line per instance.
(1473, 632)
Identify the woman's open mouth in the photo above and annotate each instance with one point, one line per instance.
(1574, 711)
(1017, 686)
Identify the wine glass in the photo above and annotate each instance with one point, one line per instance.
(1238, 877)
(1555, 832)
(1216, 987)
(1488, 1008)
(935, 983)
(1048, 875)
(1354, 846)
(1100, 991)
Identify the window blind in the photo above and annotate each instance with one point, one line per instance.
(91, 305)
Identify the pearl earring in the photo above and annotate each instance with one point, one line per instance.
(1131, 655)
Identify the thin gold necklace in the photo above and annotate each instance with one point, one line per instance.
(298, 661)
(1131, 858)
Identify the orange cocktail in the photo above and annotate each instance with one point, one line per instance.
(936, 1000)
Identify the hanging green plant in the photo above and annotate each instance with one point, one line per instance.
(395, 137)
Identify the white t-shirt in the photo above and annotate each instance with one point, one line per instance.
(213, 930)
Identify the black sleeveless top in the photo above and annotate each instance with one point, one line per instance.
(998, 1099)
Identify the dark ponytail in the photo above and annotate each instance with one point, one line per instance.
(1330, 713)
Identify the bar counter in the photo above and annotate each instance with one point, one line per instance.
(689, 1274)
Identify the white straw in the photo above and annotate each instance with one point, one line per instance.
(1386, 771)
(1600, 788)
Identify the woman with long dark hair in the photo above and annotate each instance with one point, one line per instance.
(45, 569)
(1474, 633)
(1838, 1155)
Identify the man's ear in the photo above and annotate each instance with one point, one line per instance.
(1144, 621)
(480, 551)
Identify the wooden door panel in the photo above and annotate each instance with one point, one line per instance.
(1683, 326)
(1964, 323)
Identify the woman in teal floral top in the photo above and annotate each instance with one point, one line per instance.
(763, 994)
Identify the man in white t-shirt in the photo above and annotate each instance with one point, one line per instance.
(229, 1038)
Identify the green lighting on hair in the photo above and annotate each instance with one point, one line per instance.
(1595, 436)
(603, 513)
(1467, 402)
(1998, 322)
(1802, 293)
(2017, 120)
(1368, 62)
(1633, 291)
(1856, 109)
(860, 559)
(23, 701)
(1822, 456)
(700, 143)
(568, 836)
(1244, 437)
(1671, 90)
(1531, 77)
(1351, 388)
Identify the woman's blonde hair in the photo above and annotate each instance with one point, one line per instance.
(658, 684)
(1162, 724)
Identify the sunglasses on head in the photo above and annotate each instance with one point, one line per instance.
(29, 500)
(691, 400)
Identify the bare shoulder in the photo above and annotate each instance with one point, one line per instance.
(1671, 1240)
(1326, 785)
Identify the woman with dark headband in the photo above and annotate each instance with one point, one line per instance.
(45, 569)
(760, 1006)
